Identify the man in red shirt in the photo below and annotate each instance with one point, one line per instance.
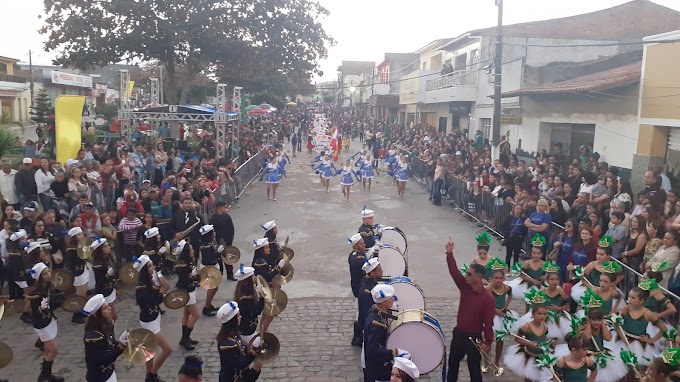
(475, 323)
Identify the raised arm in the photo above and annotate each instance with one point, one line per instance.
(458, 277)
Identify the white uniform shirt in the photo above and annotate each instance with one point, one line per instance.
(7, 187)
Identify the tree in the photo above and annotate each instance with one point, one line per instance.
(231, 39)
(10, 143)
(268, 97)
(43, 110)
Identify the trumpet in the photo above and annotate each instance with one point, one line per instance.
(497, 371)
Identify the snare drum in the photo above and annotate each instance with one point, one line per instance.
(395, 237)
(419, 333)
(408, 292)
(392, 262)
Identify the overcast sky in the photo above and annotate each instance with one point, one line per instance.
(364, 29)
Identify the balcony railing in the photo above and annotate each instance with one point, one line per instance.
(455, 78)
(9, 78)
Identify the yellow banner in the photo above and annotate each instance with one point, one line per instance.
(68, 120)
(132, 85)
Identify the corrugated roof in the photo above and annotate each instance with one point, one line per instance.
(608, 79)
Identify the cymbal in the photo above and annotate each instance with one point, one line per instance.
(268, 350)
(141, 346)
(264, 285)
(211, 277)
(129, 275)
(285, 275)
(171, 252)
(277, 305)
(289, 252)
(231, 255)
(74, 304)
(176, 299)
(62, 279)
(15, 306)
(6, 354)
(84, 250)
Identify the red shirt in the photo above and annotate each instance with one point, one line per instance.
(124, 208)
(479, 305)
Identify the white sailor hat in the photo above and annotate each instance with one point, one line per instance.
(268, 225)
(37, 270)
(151, 232)
(354, 239)
(227, 311)
(382, 292)
(140, 262)
(74, 231)
(18, 235)
(407, 366)
(97, 243)
(93, 305)
(32, 247)
(370, 265)
(259, 243)
(244, 272)
(178, 247)
(366, 213)
(206, 229)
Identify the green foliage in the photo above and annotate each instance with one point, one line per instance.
(42, 109)
(108, 111)
(10, 143)
(268, 97)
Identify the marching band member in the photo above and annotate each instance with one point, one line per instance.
(224, 229)
(191, 370)
(347, 179)
(270, 232)
(369, 232)
(104, 274)
(377, 358)
(502, 294)
(404, 370)
(273, 172)
(356, 261)
(366, 171)
(17, 271)
(149, 296)
(44, 321)
(187, 279)
(403, 174)
(532, 270)
(249, 301)
(78, 267)
(576, 366)
(210, 257)
(101, 348)
(235, 358)
(153, 247)
(266, 265)
(373, 272)
(183, 220)
(327, 170)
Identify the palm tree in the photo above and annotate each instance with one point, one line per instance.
(10, 142)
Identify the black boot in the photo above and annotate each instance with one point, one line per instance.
(357, 340)
(26, 318)
(40, 345)
(209, 312)
(46, 374)
(78, 318)
(189, 330)
(230, 273)
(184, 342)
(152, 378)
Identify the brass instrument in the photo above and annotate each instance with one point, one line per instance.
(184, 233)
(497, 371)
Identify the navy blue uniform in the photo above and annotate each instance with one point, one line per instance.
(148, 299)
(266, 266)
(250, 311)
(356, 260)
(42, 318)
(234, 361)
(365, 299)
(74, 263)
(105, 283)
(184, 279)
(101, 352)
(378, 358)
(369, 234)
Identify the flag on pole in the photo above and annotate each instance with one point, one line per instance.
(335, 146)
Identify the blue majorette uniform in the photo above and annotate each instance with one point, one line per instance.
(367, 169)
(404, 172)
(326, 169)
(391, 159)
(347, 176)
(273, 173)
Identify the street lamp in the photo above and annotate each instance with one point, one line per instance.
(352, 89)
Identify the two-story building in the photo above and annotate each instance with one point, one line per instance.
(383, 103)
(15, 97)
(354, 80)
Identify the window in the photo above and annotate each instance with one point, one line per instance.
(486, 127)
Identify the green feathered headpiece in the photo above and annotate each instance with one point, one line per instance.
(496, 264)
(661, 267)
(464, 269)
(605, 242)
(538, 240)
(535, 296)
(591, 300)
(648, 285)
(611, 267)
(550, 267)
(483, 239)
(671, 356)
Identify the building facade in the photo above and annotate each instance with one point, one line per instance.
(15, 96)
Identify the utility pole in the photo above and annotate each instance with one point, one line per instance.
(497, 66)
(30, 69)
(161, 89)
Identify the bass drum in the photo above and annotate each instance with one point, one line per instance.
(420, 334)
(392, 262)
(395, 237)
(408, 292)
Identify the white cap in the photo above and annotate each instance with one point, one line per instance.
(27, 161)
(93, 305)
(459, 153)
(206, 228)
(18, 235)
(32, 247)
(97, 243)
(140, 262)
(407, 366)
(179, 247)
(74, 231)
(382, 292)
(354, 239)
(244, 272)
(37, 270)
(366, 213)
(259, 243)
(227, 311)
(151, 232)
(370, 265)
(268, 225)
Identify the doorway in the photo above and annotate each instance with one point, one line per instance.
(442, 125)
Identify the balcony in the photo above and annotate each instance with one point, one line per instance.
(459, 85)
(9, 78)
(455, 78)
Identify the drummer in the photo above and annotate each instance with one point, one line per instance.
(149, 296)
(404, 370)
(377, 358)
(369, 231)
(210, 257)
(104, 273)
(101, 348)
(187, 280)
(235, 357)
(78, 267)
(249, 301)
(270, 232)
(356, 260)
(44, 321)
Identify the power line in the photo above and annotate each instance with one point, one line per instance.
(668, 41)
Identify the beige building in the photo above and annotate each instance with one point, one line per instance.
(15, 99)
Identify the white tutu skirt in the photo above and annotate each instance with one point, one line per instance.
(48, 333)
(498, 320)
(519, 288)
(645, 352)
(614, 371)
(556, 330)
(653, 330)
(111, 297)
(192, 298)
(522, 364)
(578, 291)
(153, 326)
